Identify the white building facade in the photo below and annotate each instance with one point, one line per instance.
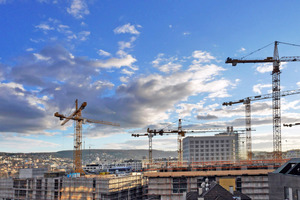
(220, 147)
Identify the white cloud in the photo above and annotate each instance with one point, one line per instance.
(44, 27)
(258, 87)
(127, 28)
(186, 33)
(186, 109)
(126, 45)
(78, 9)
(242, 49)
(127, 60)
(166, 65)
(268, 67)
(127, 72)
(264, 67)
(41, 57)
(83, 35)
(103, 53)
(22, 144)
(29, 49)
(124, 79)
(202, 57)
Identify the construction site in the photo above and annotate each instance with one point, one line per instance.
(206, 160)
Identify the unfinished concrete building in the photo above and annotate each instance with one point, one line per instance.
(175, 185)
(63, 188)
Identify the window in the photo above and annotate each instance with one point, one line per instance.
(197, 142)
(179, 185)
(38, 184)
(56, 184)
(288, 193)
(94, 183)
(56, 195)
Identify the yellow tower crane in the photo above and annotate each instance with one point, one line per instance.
(79, 120)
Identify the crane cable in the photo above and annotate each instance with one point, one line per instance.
(296, 45)
(257, 50)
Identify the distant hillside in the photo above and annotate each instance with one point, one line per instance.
(118, 154)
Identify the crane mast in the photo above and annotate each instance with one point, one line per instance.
(79, 120)
(247, 102)
(276, 104)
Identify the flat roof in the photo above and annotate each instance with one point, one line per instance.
(209, 173)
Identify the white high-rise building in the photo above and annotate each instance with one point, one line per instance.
(220, 147)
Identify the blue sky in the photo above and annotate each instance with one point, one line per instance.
(141, 64)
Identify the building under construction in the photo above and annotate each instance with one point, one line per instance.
(53, 186)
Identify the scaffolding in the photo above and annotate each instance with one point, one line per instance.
(63, 188)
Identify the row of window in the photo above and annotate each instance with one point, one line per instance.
(208, 150)
(207, 154)
(207, 146)
(199, 159)
(208, 141)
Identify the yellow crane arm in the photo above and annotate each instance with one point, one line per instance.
(100, 122)
(83, 105)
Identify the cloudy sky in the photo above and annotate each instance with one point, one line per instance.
(140, 64)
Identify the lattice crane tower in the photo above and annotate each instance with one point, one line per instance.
(79, 120)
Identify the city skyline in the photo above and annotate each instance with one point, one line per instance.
(141, 64)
